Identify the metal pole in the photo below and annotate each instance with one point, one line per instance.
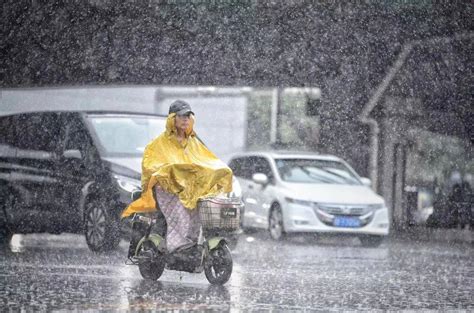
(275, 116)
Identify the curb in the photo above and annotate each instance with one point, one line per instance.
(435, 234)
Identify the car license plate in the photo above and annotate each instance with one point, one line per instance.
(344, 221)
(228, 212)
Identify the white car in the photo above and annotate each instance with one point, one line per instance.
(292, 192)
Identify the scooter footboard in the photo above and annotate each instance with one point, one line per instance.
(215, 241)
(153, 239)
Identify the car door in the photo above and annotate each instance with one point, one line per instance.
(77, 164)
(254, 196)
(7, 149)
(241, 167)
(7, 159)
(34, 176)
(261, 194)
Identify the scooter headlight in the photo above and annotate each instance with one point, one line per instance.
(375, 207)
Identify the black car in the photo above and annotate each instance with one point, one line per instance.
(71, 171)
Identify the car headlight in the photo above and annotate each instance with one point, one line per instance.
(375, 207)
(127, 183)
(300, 202)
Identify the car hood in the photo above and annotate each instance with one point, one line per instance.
(131, 167)
(329, 193)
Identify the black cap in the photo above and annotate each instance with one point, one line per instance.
(180, 107)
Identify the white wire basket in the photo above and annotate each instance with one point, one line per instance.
(220, 213)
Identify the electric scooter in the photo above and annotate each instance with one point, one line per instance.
(209, 254)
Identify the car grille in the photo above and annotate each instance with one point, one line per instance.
(336, 209)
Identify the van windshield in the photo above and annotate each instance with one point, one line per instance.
(125, 134)
(316, 172)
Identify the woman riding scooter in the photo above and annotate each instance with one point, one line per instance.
(177, 170)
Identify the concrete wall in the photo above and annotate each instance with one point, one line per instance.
(126, 98)
(392, 157)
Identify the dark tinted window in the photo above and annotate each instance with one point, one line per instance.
(245, 167)
(236, 166)
(78, 138)
(7, 135)
(40, 131)
(261, 165)
(241, 167)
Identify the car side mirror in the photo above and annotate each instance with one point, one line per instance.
(72, 154)
(260, 178)
(366, 181)
(136, 194)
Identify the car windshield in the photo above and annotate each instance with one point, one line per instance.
(316, 172)
(125, 134)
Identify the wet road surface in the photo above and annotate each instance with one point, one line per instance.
(58, 272)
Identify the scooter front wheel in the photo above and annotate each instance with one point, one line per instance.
(218, 266)
(152, 270)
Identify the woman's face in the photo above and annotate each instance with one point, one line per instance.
(182, 122)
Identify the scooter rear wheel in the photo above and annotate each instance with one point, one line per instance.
(218, 267)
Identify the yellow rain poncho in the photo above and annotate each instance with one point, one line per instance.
(188, 170)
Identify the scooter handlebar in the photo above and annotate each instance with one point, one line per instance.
(144, 219)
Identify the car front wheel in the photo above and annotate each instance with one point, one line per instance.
(5, 233)
(276, 228)
(5, 236)
(102, 228)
